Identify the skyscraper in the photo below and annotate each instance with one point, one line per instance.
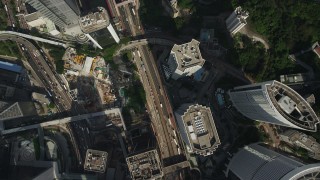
(256, 162)
(237, 20)
(275, 103)
(185, 60)
(62, 12)
(197, 129)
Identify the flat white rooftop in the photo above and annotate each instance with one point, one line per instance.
(87, 66)
(201, 129)
(187, 55)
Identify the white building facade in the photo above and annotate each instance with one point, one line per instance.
(257, 162)
(185, 59)
(237, 20)
(62, 12)
(275, 103)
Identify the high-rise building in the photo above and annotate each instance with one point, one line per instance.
(171, 6)
(185, 60)
(62, 12)
(257, 162)
(66, 15)
(275, 103)
(197, 129)
(237, 20)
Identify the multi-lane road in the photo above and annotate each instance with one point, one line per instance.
(44, 70)
(158, 105)
(54, 85)
(11, 20)
(131, 19)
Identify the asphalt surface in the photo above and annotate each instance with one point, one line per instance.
(52, 83)
(10, 14)
(159, 105)
(44, 70)
(131, 19)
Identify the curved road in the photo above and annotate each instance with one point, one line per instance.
(133, 44)
(33, 38)
(48, 77)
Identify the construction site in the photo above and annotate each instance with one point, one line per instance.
(88, 79)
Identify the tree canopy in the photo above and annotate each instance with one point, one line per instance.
(289, 26)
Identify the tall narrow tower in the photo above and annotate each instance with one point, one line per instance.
(62, 12)
(237, 20)
(275, 103)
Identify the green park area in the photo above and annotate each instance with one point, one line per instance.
(3, 17)
(9, 48)
(136, 100)
(152, 14)
(136, 96)
(185, 4)
(57, 52)
(289, 27)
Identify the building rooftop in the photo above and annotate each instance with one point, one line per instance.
(302, 140)
(292, 106)
(6, 91)
(87, 66)
(200, 129)
(241, 13)
(187, 55)
(10, 67)
(94, 21)
(293, 78)
(316, 48)
(145, 165)
(32, 17)
(14, 111)
(257, 161)
(95, 160)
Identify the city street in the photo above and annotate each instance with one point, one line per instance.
(159, 106)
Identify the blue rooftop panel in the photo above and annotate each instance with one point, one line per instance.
(10, 67)
(198, 74)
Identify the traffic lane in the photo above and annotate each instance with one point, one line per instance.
(30, 47)
(159, 87)
(129, 20)
(156, 82)
(155, 116)
(49, 74)
(11, 20)
(45, 82)
(164, 115)
(163, 101)
(125, 20)
(135, 18)
(45, 73)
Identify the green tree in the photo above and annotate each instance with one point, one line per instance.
(51, 105)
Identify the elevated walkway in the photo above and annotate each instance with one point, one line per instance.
(33, 38)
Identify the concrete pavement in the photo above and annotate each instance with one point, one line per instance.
(159, 107)
(34, 38)
(48, 78)
(64, 120)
